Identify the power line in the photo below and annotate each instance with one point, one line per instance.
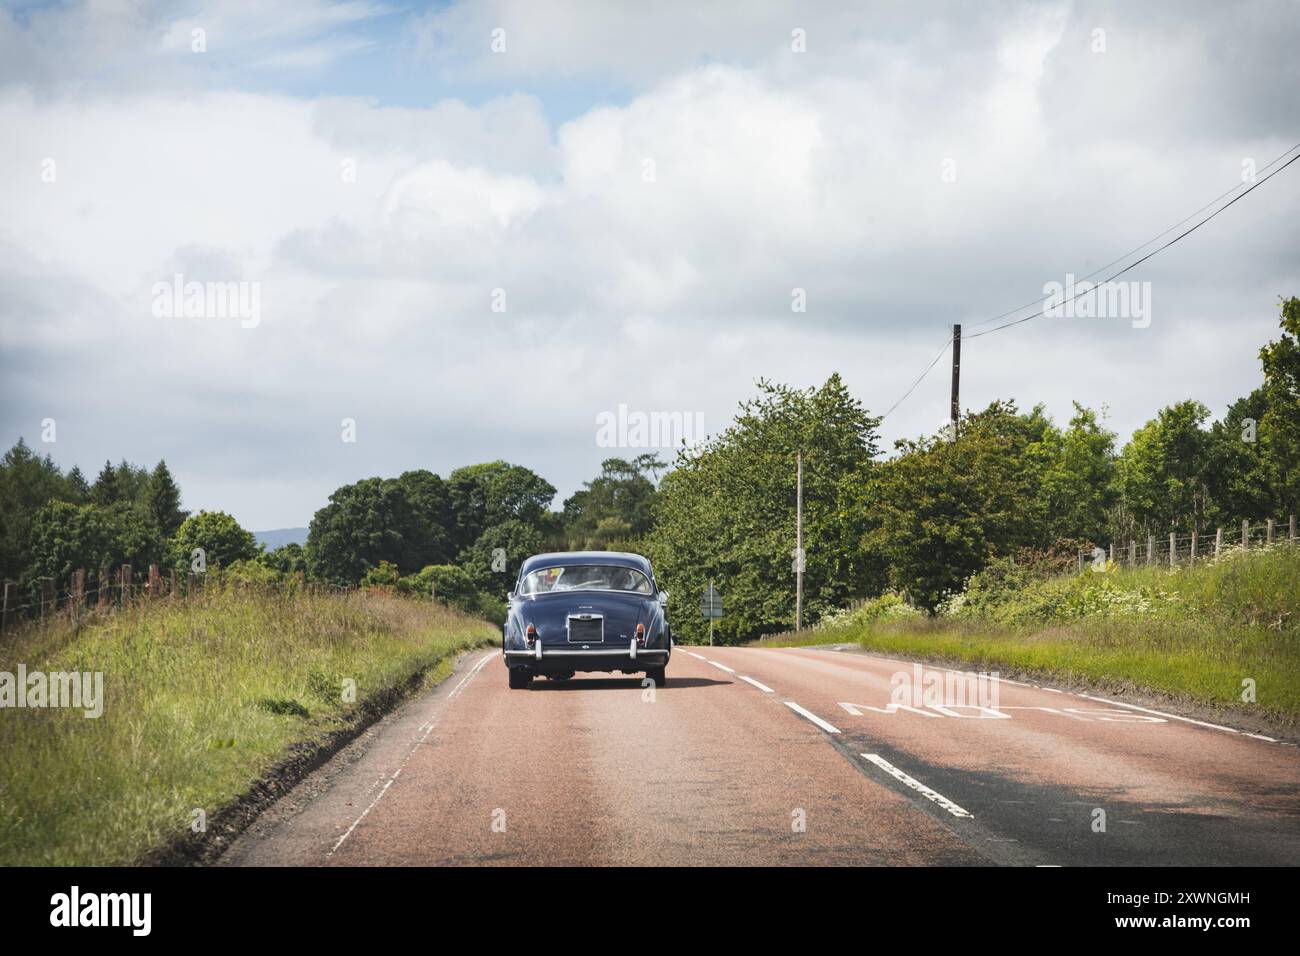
(1133, 265)
(1153, 252)
(1137, 249)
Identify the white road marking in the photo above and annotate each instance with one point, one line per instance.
(1189, 720)
(427, 727)
(722, 667)
(918, 786)
(829, 728)
(700, 657)
(749, 680)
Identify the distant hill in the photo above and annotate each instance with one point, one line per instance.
(273, 539)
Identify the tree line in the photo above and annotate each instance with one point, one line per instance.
(918, 522)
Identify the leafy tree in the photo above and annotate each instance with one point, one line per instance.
(727, 513)
(945, 508)
(1279, 427)
(1079, 481)
(219, 535)
(504, 545)
(105, 490)
(616, 505)
(1164, 470)
(286, 559)
(1239, 480)
(488, 494)
(162, 501)
(27, 482)
(403, 521)
(66, 537)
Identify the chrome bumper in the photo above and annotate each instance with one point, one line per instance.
(631, 653)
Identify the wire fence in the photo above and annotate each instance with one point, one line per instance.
(114, 589)
(1175, 549)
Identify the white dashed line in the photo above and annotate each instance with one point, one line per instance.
(427, 727)
(749, 680)
(723, 667)
(698, 657)
(918, 786)
(829, 728)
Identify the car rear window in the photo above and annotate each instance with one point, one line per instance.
(585, 577)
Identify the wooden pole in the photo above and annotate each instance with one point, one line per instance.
(1193, 558)
(1218, 542)
(126, 585)
(955, 407)
(1291, 536)
(78, 593)
(1151, 549)
(10, 601)
(1173, 548)
(1132, 553)
(1245, 533)
(1112, 554)
(798, 545)
(1272, 526)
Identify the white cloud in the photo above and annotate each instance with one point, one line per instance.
(770, 172)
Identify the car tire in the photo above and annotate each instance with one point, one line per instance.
(519, 678)
(658, 674)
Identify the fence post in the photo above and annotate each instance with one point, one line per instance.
(1218, 542)
(1272, 526)
(1112, 554)
(155, 581)
(1173, 548)
(1193, 557)
(172, 591)
(47, 596)
(1245, 533)
(1132, 553)
(1291, 536)
(78, 592)
(1151, 548)
(11, 600)
(126, 584)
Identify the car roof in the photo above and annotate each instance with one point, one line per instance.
(560, 559)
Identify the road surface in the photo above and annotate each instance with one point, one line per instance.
(785, 756)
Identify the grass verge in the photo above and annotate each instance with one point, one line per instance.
(1206, 634)
(200, 699)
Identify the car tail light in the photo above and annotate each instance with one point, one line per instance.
(640, 634)
(531, 634)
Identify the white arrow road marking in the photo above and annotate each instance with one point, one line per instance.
(829, 728)
(918, 786)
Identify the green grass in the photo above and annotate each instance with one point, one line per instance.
(200, 699)
(1194, 633)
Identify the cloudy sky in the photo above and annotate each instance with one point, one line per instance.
(473, 228)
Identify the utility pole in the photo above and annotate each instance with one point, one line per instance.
(798, 546)
(956, 378)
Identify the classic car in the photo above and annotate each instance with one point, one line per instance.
(586, 611)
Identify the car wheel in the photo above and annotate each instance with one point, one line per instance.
(519, 678)
(658, 675)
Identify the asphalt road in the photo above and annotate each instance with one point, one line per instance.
(758, 756)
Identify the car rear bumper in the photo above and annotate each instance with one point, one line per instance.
(540, 659)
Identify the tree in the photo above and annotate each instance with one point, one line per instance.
(66, 537)
(27, 482)
(105, 490)
(401, 520)
(493, 561)
(1164, 468)
(727, 512)
(945, 508)
(616, 505)
(1279, 427)
(1079, 482)
(162, 501)
(488, 494)
(219, 535)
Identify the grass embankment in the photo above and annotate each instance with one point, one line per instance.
(200, 699)
(1195, 633)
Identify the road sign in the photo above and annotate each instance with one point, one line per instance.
(711, 603)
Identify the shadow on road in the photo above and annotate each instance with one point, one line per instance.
(580, 683)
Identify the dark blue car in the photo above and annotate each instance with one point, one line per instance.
(586, 611)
